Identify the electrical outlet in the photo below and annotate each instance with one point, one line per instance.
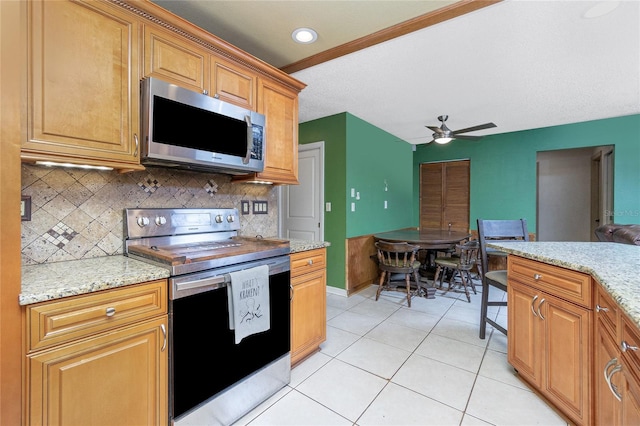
(25, 208)
(353, 207)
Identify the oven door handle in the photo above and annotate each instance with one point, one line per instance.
(218, 279)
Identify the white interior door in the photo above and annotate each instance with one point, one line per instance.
(301, 206)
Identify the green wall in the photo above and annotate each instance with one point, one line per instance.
(503, 174)
(503, 167)
(374, 156)
(360, 156)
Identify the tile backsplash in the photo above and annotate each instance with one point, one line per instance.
(77, 214)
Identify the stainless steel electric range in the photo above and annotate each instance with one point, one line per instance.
(211, 377)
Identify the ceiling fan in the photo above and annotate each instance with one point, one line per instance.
(444, 135)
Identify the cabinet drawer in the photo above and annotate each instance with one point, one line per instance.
(564, 283)
(606, 310)
(307, 261)
(630, 347)
(60, 321)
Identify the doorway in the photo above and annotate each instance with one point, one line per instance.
(574, 192)
(301, 206)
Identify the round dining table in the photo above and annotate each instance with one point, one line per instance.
(426, 239)
(430, 240)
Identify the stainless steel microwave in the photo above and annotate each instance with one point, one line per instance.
(185, 129)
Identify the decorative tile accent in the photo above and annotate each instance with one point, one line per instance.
(211, 187)
(60, 235)
(150, 184)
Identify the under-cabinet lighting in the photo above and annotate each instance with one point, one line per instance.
(71, 165)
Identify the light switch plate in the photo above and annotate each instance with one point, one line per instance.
(260, 207)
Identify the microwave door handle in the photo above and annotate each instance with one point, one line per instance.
(246, 159)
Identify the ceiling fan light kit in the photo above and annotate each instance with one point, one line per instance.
(443, 134)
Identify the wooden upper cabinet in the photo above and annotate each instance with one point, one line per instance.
(444, 195)
(233, 83)
(175, 59)
(83, 89)
(279, 104)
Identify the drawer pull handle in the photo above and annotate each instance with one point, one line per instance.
(310, 262)
(539, 306)
(613, 388)
(532, 302)
(291, 293)
(164, 333)
(537, 277)
(627, 347)
(110, 312)
(601, 309)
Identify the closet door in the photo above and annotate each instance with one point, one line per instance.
(444, 195)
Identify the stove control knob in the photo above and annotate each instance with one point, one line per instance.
(143, 221)
(161, 220)
(230, 218)
(219, 218)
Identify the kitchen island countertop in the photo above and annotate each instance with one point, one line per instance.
(615, 266)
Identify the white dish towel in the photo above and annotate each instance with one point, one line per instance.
(248, 294)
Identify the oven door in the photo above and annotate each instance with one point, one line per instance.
(204, 359)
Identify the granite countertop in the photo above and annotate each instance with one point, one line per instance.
(49, 281)
(56, 280)
(303, 245)
(616, 266)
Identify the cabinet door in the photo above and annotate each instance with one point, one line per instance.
(568, 356)
(115, 378)
(525, 343)
(308, 314)
(232, 83)
(606, 359)
(630, 413)
(175, 60)
(83, 84)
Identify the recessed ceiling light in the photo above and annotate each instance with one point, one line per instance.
(304, 35)
(601, 8)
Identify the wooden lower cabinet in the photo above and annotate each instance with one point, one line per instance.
(617, 365)
(118, 376)
(308, 305)
(549, 345)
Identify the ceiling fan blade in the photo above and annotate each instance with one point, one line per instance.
(474, 128)
(435, 129)
(467, 137)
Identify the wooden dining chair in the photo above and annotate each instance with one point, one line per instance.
(397, 258)
(460, 264)
(496, 231)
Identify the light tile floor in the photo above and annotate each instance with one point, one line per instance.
(386, 364)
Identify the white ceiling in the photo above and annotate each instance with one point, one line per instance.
(520, 64)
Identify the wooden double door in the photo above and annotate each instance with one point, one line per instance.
(444, 195)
